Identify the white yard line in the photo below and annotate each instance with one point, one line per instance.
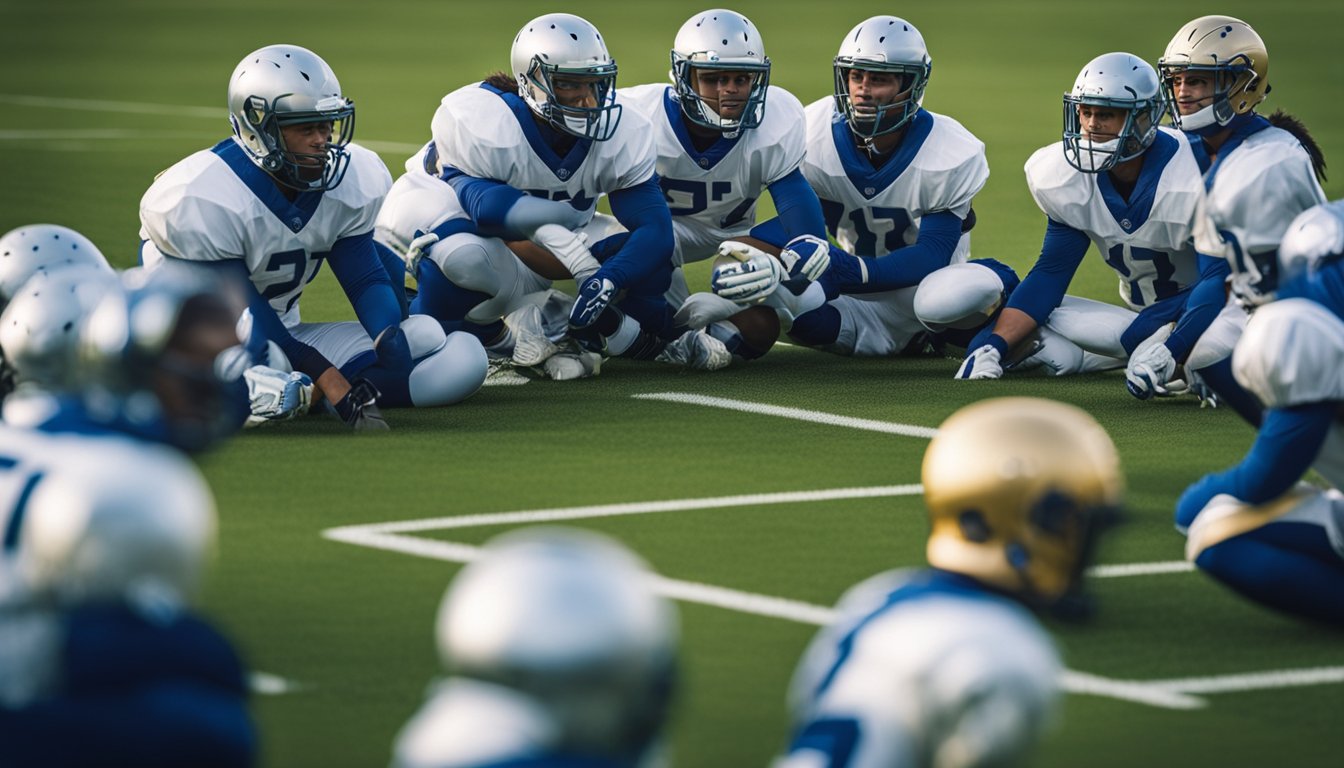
(800, 414)
(102, 105)
(1253, 681)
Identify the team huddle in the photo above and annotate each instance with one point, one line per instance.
(557, 649)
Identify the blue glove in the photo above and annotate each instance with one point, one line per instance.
(594, 296)
(806, 256)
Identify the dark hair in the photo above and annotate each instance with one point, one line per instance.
(502, 80)
(1287, 122)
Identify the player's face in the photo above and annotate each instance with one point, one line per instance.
(1101, 124)
(576, 90)
(306, 144)
(1193, 90)
(870, 90)
(724, 91)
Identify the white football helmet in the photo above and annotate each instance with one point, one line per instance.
(160, 357)
(282, 85)
(1315, 237)
(568, 618)
(1119, 81)
(720, 40)
(39, 329)
(883, 44)
(42, 247)
(1229, 52)
(566, 46)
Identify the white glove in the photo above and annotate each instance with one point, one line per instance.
(806, 256)
(276, 395)
(570, 248)
(417, 249)
(1149, 370)
(983, 363)
(745, 274)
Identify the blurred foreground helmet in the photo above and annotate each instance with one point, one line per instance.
(562, 45)
(1314, 238)
(1229, 53)
(1017, 489)
(1120, 81)
(42, 247)
(161, 357)
(39, 329)
(882, 44)
(282, 85)
(720, 41)
(568, 618)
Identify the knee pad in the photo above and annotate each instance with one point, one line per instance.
(958, 296)
(466, 261)
(424, 335)
(450, 374)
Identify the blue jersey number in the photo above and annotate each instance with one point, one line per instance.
(1163, 286)
(835, 737)
(26, 487)
(687, 198)
(893, 238)
(296, 267)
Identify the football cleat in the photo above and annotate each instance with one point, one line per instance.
(697, 350)
(531, 346)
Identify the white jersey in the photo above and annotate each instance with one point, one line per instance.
(1292, 353)
(216, 204)
(712, 195)
(489, 135)
(467, 723)
(1254, 193)
(939, 166)
(913, 674)
(1147, 239)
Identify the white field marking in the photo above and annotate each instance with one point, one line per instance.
(1088, 684)
(267, 684)
(88, 134)
(1140, 569)
(100, 105)
(816, 417)
(1254, 681)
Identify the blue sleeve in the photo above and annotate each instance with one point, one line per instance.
(1203, 305)
(938, 236)
(360, 272)
(266, 324)
(1287, 443)
(487, 202)
(831, 211)
(1043, 288)
(798, 207)
(642, 210)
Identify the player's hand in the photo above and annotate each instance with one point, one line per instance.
(417, 249)
(744, 274)
(276, 395)
(359, 409)
(806, 256)
(594, 296)
(569, 248)
(1149, 370)
(983, 363)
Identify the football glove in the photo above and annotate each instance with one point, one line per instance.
(359, 409)
(594, 296)
(744, 274)
(569, 248)
(983, 363)
(1149, 370)
(276, 395)
(416, 250)
(806, 256)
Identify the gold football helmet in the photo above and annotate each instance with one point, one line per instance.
(1232, 54)
(1017, 489)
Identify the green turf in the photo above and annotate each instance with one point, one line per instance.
(353, 626)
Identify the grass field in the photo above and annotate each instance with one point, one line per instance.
(97, 97)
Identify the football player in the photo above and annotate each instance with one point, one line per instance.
(1255, 527)
(1122, 183)
(522, 158)
(287, 192)
(724, 135)
(108, 527)
(1259, 173)
(558, 653)
(946, 666)
(895, 183)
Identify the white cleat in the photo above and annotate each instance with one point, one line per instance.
(573, 364)
(698, 350)
(530, 343)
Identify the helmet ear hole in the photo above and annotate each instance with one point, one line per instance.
(973, 526)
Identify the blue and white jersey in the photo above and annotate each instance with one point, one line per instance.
(216, 205)
(472, 724)
(1259, 183)
(713, 194)
(918, 664)
(1147, 239)
(489, 134)
(939, 166)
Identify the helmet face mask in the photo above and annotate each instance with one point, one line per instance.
(1255, 277)
(1231, 56)
(1113, 81)
(556, 50)
(726, 42)
(282, 86)
(882, 44)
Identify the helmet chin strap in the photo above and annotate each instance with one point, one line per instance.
(1203, 122)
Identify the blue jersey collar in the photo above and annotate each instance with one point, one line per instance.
(710, 157)
(295, 215)
(869, 181)
(1133, 213)
(563, 167)
(1243, 127)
